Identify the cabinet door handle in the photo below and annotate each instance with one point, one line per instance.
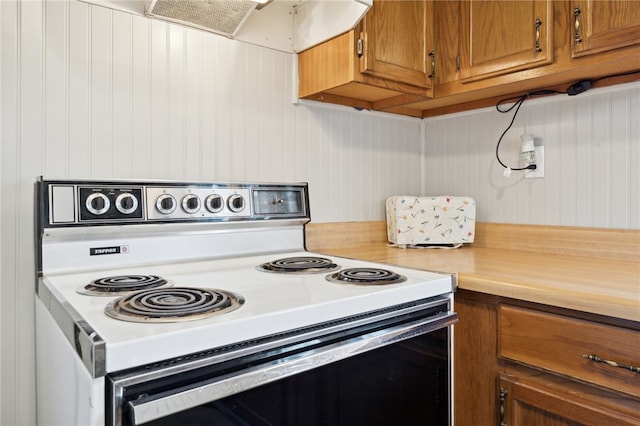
(359, 47)
(432, 55)
(501, 398)
(576, 25)
(538, 25)
(596, 358)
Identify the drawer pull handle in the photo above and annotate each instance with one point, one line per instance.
(596, 358)
(501, 398)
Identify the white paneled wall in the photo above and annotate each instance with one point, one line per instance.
(592, 153)
(92, 93)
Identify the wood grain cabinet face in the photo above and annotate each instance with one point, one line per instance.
(398, 37)
(526, 402)
(601, 26)
(500, 37)
(521, 364)
(558, 344)
(383, 63)
(482, 49)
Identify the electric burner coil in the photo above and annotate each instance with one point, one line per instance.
(366, 276)
(123, 284)
(299, 265)
(174, 304)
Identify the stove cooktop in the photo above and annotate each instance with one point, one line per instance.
(273, 303)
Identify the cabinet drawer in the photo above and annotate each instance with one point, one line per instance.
(558, 343)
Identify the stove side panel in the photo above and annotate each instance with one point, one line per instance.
(66, 393)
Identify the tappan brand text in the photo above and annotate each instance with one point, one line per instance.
(97, 251)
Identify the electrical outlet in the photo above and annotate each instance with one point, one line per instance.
(539, 171)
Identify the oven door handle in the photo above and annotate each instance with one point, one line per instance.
(148, 408)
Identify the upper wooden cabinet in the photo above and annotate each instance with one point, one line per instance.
(499, 37)
(427, 57)
(396, 42)
(384, 62)
(600, 26)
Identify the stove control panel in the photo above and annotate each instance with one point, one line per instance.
(181, 202)
(64, 203)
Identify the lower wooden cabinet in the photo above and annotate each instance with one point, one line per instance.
(546, 400)
(521, 364)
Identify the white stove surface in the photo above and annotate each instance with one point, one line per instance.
(273, 303)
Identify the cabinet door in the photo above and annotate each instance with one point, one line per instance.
(531, 403)
(499, 37)
(397, 41)
(600, 26)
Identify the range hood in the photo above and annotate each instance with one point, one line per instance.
(286, 25)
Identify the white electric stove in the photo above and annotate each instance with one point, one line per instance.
(201, 247)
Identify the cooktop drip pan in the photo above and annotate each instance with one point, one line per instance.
(173, 304)
(299, 265)
(366, 276)
(123, 284)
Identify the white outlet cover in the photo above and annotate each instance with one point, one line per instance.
(539, 171)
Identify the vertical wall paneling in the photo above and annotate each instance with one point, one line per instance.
(141, 98)
(591, 143)
(159, 106)
(193, 107)
(101, 90)
(221, 121)
(584, 159)
(567, 168)
(9, 126)
(88, 92)
(78, 80)
(601, 163)
(209, 123)
(55, 88)
(121, 94)
(620, 165)
(177, 102)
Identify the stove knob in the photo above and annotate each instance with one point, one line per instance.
(126, 203)
(166, 204)
(214, 203)
(97, 203)
(236, 203)
(191, 203)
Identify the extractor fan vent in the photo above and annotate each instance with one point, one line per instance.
(220, 16)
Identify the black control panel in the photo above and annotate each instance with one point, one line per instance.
(76, 203)
(109, 203)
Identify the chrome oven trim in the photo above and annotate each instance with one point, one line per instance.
(86, 342)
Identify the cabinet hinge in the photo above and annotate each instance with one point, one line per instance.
(458, 62)
(360, 47)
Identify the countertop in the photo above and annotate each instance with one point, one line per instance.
(588, 283)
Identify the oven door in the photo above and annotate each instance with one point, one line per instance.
(385, 367)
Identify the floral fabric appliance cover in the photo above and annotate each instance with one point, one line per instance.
(430, 221)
